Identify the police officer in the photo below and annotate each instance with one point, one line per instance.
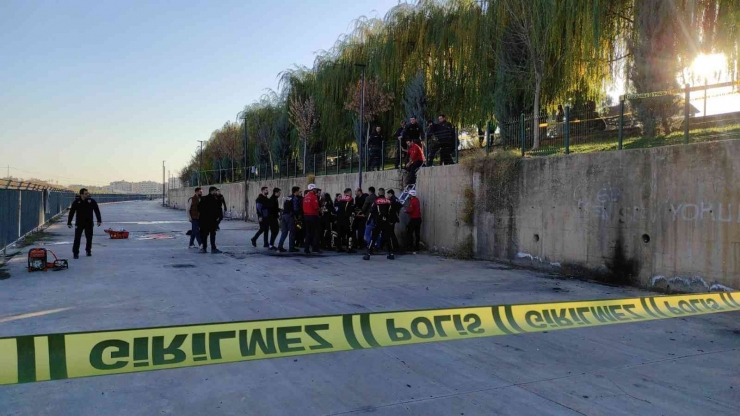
(291, 208)
(83, 207)
(263, 203)
(375, 144)
(345, 210)
(380, 214)
(395, 216)
(413, 131)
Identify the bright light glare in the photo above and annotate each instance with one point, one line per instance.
(709, 66)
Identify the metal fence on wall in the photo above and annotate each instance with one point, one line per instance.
(23, 211)
(676, 117)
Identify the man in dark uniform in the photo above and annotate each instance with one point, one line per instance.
(359, 223)
(445, 133)
(262, 203)
(380, 214)
(375, 145)
(395, 217)
(273, 215)
(84, 207)
(413, 131)
(345, 209)
(291, 208)
(209, 209)
(402, 144)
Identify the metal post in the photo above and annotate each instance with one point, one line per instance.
(326, 165)
(362, 130)
(621, 123)
(522, 132)
(163, 182)
(305, 155)
(338, 162)
(704, 114)
(488, 137)
(400, 154)
(382, 155)
(295, 167)
(200, 163)
(314, 164)
(457, 145)
(686, 108)
(566, 128)
(351, 150)
(246, 165)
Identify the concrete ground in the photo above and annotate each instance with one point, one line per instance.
(679, 366)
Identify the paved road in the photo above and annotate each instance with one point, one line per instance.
(680, 366)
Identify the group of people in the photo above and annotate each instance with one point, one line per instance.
(439, 139)
(314, 221)
(205, 214)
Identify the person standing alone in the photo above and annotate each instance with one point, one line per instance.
(263, 217)
(194, 218)
(84, 207)
(209, 209)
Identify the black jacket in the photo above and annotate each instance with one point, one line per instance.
(369, 201)
(381, 211)
(396, 207)
(84, 210)
(444, 132)
(273, 207)
(345, 208)
(375, 141)
(210, 212)
(413, 132)
(263, 206)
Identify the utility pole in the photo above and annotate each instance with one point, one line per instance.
(163, 190)
(243, 114)
(200, 164)
(360, 152)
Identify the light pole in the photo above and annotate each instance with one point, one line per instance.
(200, 164)
(163, 187)
(243, 115)
(360, 152)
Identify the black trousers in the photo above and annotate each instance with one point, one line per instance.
(313, 229)
(359, 231)
(414, 232)
(205, 234)
(88, 229)
(412, 172)
(446, 149)
(264, 230)
(344, 236)
(392, 236)
(384, 230)
(274, 229)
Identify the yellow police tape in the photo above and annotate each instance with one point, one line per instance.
(33, 358)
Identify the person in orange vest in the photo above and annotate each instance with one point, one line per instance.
(311, 220)
(414, 227)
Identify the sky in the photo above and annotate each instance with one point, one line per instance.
(97, 91)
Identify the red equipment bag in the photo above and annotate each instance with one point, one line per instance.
(117, 235)
(38, 261)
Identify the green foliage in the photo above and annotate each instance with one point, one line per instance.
(491, 60)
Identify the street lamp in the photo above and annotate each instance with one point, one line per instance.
(163, 187)
(200, 164)
(362, 115)
(243, 115)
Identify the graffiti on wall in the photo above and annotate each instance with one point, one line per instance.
(608, 203)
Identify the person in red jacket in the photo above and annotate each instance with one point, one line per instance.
(311, 220)
(414, 227)
(416, 159)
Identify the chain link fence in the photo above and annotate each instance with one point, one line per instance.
(26, 208)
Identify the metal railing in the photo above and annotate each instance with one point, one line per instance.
(585, 128)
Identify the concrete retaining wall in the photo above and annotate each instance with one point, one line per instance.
(439, 191)
(663, 217)
(668, 216)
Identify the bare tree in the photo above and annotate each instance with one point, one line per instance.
(304, 118)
